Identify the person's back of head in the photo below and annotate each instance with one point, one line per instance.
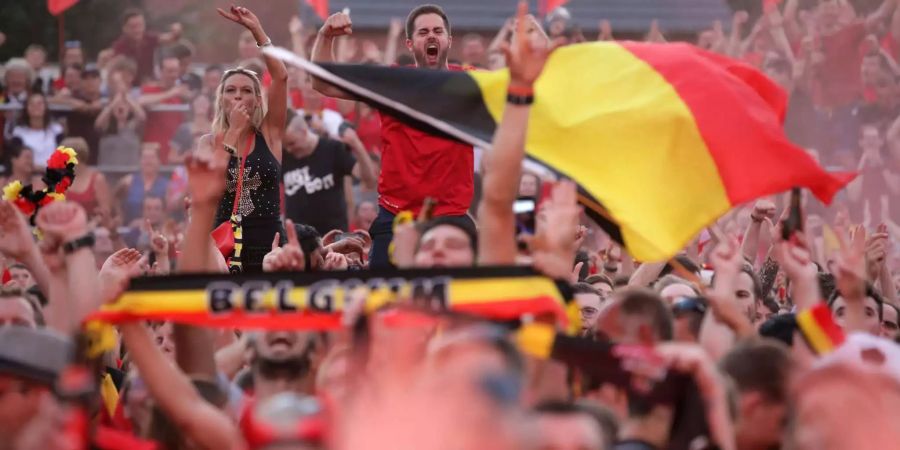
(761, 370)
(580, 425)
(759, 365)
(844, 406)
(646, 308)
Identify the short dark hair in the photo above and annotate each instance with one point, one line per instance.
(464, 225)
(759, 365)
(310, 240)
(604, 418)
(646, 303)
(425, 9)
(219, 68)
(621, 281)
(582, 256)
(166, 56)
(131, 12)
(34, 303)
(870, 292)
(826, 284)
(584, 288)
(757, 286)
(780, 328)
(599, 278)
(683, 260)
(181, 50)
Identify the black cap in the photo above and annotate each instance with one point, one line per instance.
(780, 327)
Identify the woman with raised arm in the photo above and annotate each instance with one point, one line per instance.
(250, 129)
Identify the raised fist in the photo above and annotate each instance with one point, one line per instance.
(338, 24)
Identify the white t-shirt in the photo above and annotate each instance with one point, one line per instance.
(41, 142)
(332, 121)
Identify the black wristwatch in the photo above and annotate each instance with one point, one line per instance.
(74, 245)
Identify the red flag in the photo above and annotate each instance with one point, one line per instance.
(547, 6)
(57, 7)
(320, 7)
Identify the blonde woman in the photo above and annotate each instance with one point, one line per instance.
(250, 129)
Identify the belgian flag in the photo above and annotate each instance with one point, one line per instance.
(661, 138)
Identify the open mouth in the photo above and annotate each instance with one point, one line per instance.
(280, 342)
(432, 50)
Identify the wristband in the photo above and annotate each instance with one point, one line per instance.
(521, 100)
(268, 43)
(76, 244)
(521, 91)
(230, 149)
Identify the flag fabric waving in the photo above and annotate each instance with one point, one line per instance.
(57, 7)
(547, 6)
(320, 7)
(662, 138)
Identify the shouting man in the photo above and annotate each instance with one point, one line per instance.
(415, 164)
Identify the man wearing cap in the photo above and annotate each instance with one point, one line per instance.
(30, 361)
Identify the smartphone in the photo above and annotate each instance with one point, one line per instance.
(525, 209)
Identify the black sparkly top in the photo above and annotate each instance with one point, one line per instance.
(260, 198)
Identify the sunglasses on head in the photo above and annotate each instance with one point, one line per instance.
(689, 304)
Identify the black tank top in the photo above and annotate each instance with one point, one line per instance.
(260, 198)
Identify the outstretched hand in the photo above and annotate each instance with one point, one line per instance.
(553, 245)
(241, 16)
(117, 271)
(287, 258)
(851, 266)
(206, 177)
(526, 57)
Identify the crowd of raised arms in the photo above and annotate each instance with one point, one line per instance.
(778, 326)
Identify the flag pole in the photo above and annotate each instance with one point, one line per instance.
(61, 31)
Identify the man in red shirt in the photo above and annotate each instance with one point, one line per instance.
(139, 45)
(415, 165)
(162, 125)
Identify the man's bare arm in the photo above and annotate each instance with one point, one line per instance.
(338, 24)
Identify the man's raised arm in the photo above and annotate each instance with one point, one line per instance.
(336, 25)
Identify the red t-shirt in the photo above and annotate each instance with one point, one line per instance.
(162, 125)
(141, 52)
(416, 165)
(839, 75)
(368, 128)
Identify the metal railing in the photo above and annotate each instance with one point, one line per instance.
(60, 108)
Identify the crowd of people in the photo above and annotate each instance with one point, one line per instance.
(251, 166)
